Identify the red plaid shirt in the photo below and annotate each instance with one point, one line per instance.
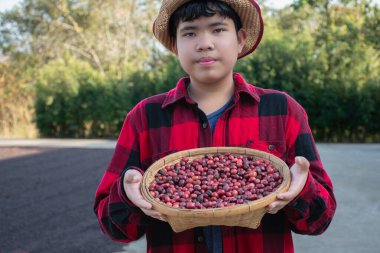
(258, 118)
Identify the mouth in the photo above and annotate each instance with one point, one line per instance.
(206, 60)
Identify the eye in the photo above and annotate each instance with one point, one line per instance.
(189, 34)
(219, 30)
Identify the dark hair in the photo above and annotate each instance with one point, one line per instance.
(201, 8)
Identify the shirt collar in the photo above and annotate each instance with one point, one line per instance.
(179, 92)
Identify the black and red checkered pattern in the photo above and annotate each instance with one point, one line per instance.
(262, 119)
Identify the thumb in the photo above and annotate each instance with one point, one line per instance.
(302, 162)
(132, 176)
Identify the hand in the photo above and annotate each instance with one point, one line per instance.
(299, 172)
(132, 182)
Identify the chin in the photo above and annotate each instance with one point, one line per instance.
(211, 78)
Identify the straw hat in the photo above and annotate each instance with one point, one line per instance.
(248, 11)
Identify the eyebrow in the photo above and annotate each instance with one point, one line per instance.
(193, 27)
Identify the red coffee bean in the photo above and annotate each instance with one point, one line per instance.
(215, 181)
(220, 192)
(226, 187)
(190, 205)
(234, 171)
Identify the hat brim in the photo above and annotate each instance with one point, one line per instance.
(248, 11)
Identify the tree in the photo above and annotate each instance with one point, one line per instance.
(110, 35)
(324, 53)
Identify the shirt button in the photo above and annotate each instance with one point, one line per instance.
(200, 238)
(204, 125)
(271, 147)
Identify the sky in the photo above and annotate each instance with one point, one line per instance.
(8, 4)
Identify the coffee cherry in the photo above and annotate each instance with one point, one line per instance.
(214, 181)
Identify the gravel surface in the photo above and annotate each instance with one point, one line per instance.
(46, 202)
(46, 199)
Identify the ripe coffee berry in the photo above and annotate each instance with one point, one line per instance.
(213, 181)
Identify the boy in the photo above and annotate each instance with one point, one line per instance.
(214, 107)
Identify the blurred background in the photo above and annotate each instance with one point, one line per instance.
(70, 70)
(73, 68)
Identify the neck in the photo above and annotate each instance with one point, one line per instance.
(211, 96)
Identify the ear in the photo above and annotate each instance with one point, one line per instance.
(242, 38)
(174, 47)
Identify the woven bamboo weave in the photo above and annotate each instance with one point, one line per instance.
(244, 215)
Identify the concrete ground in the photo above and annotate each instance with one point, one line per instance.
(355, 172)
(47, 188)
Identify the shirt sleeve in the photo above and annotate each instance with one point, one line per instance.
(117, 216)
(312, 210)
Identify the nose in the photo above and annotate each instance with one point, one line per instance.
(204, 43)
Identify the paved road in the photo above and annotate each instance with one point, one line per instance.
(355, 172)
(46, 202)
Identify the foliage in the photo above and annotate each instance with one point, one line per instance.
(324, 56)
(74, 100)
(113, 34)
(16, 105)
(59, 106)
(93, 60)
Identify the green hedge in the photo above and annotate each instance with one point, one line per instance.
(74, 100)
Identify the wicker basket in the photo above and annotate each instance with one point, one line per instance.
(243, 215)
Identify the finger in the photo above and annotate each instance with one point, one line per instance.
(287, 196)
(141, 203)
(272, 211)
(154, 214)
(150, 212)
(134, 195)
(162, 218)
(275, 206)
(292, 192)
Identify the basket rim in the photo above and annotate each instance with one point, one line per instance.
(220, 211)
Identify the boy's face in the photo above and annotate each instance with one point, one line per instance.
(208, 47)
